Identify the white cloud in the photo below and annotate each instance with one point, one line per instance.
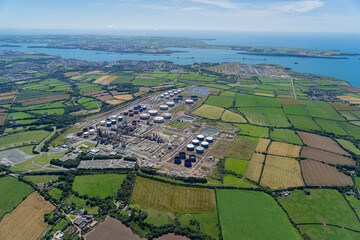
(191, 8)
(299, 6)
(218, 3)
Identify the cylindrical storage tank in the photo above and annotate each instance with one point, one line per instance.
(108, 124)
(85, 129)
(205, 144)
(210, 139)
(195, 98)
(91, 131)
(131, 114)
(153, 112)
(130, 111)
(126, 113)
(144, 107)
(166, 115)
(175, 93)
(196, 142)
(86, 134)
(147, 123)
(103, 123)
(190, 147)
(136, 112)
(170, 104)
(188, 163)
(169, 92)
(176, 100)
(182, 155)
(166, 94)
(180, 97)
(177, 160)
(144, 116)
(120, 118)
(179, 90)
(192, 158)
(167, 97)
(189, 101)
(158, 119)
(171, 95)
(200, 150)
(113, 121)
(164, 107)
(114, 116)
(136, 108)
(200, 137)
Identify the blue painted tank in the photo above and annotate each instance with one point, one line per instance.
(188, 163)
(182, 155)
(192, 158)
(177, 160)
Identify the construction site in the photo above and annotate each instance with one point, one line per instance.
(158, 132)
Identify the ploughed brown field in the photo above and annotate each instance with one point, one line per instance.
(27, 220)
(2, 118)
(255, 166)
(262, 145)
(111, 229)
(327, 157)
(100, 95)
(46, 99)
(8, 94)
(172, 236)
(321, 142)
(319, 174)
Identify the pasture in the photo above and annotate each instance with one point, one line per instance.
(147, 82)
(296, 110)
(321, 206)
(172, 198)
(250, 130)
(303, 123)
(328, 232)
(208, 222)
(27, 220)
(102, 185)
(22, 138)
(284, 149)
(240, 148)
(229, 116)
(285, 135)
(258, 218)
(348, 146)
(220, 101)
(266, 116)
(207, 111)
(41, 178)
(12, 192)
(255, 167)
(281, 173)
(331, 126)
(319, 174)
(236, 165)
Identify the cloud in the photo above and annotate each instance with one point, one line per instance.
(191, 8)
(111, 26)
(218, 3)
(299, 6)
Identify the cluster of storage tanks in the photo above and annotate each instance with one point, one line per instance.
(187, 161)
(171, 94)
(86, 132)
(199, 144)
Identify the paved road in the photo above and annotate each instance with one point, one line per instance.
(37, 147)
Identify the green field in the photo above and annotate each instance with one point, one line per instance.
(285, 135)
(231, 180)
(240, 148)
(102, 185)
(55, 193)
(207, 111)
(266, 116)
(229, 116)
(88, 87)
(208, 222)
(155, 216)
(147, 82)
(81, 204)
(236, 165)
(41, 178)
(303, 123)
(351, 129)
(220, 101)
(55, 111)
(12, 192)
(348, 146)
(331, 126)
(246, 100)
(296, 110)
(250, 130)
(23, 138)
(321, 206)
(19, 115)
(252, 215)
(123, 79)
(318, 232)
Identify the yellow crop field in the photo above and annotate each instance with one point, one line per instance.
(255, 166)
(172, 198)
(281, 172)
(93, 72)
(114, 102)
(350, 99)
(262, 145)
(207, 111)
(284, 149)
(27, 220)
(124, 97)
(229, 116)
(107, 79)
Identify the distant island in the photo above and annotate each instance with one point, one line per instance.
(158, 45)
(8, 45)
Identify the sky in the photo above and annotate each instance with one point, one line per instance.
(215, 15)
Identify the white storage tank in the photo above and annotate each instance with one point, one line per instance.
(190, 147)
(92, 131)
(144, 116)
(210, 139)
(164, 107)
(170, 104)
(153, 112)
(205, 144)
(120, 118)
(200, 150)
(189, 101)
(171, 95)
(162, 96)
(158, 119)
(86, 134)
(200, 137)
(102, 123)
(166, 115)
(196, 142)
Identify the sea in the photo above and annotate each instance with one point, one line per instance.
(344, 69)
